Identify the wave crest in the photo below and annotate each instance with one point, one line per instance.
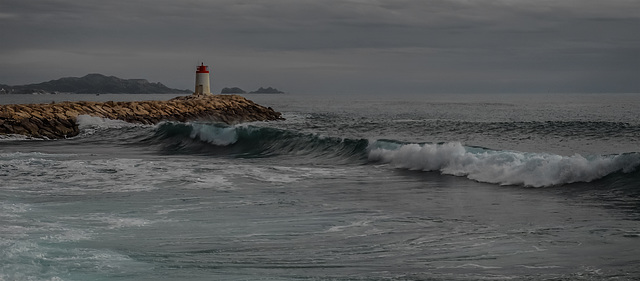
(504, 167)
(452, 158)
(254, 141)
(217, 135)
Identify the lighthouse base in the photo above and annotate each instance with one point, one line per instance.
(202, 94)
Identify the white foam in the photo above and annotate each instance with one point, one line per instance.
(31, 155)
(54, 174)
(214, 134)
(11, 210)
(86, 121)
(118, 222)
(68, 235)
(14, 137)
(281, 174)
(208, 181)
(23, 260)
(504, 167)
(339, 228)
(475, 265)
(541, 266)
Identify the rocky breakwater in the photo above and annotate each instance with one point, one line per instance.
(58, 120)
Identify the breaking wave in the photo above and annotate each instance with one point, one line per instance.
(253, 141)
(503, 167)
(476, 163)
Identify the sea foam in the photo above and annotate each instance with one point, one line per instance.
(504, 167)
(217, 135)
(86, 121)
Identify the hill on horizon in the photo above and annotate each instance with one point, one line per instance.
(92, 84)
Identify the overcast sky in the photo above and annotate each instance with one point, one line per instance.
(330, 46)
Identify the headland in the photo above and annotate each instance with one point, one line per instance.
(58, 120)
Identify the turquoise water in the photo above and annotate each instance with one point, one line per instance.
(434, 187)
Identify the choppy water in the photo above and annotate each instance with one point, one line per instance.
(434, 187)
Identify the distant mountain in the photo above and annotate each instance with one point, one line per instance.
(234, 90)
(267, 90)
(92, 84)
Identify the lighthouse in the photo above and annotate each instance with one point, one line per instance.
(202, 80)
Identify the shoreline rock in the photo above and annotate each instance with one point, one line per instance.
(58, 120)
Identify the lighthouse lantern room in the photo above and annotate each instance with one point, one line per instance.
(202, 80)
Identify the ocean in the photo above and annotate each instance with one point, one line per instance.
(348, 187)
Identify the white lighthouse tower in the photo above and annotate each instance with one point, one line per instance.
(202, 80)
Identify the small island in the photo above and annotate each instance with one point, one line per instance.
(261, 90)
(267, 90)
(233, 90)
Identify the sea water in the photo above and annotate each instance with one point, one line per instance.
(349, 187)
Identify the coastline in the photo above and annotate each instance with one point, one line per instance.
(58, 120)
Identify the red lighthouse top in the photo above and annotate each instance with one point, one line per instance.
(202, 68)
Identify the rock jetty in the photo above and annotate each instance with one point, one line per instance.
(58, 120)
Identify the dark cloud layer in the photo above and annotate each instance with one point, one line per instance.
(331, 45)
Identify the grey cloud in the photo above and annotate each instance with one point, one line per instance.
(373, 45)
